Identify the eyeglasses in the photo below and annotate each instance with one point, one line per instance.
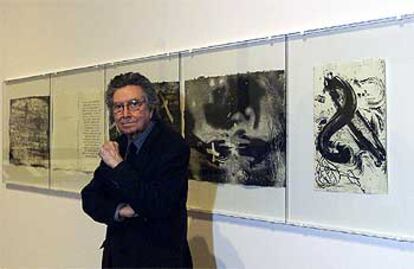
(131, 105)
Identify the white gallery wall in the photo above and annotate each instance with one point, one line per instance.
(49, 230)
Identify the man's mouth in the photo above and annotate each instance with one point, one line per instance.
(127, 123)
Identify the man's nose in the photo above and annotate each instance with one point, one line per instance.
(125, 110)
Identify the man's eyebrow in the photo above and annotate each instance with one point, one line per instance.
(136, 98)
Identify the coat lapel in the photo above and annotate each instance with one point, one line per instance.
(123, 143)
(144, 153)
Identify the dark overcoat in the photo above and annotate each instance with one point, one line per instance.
(154, 183)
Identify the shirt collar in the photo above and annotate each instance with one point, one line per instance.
(139, 139)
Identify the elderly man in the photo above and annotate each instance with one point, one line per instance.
(139, 189)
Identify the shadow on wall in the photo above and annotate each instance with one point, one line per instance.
(202, 240)
(202, 257)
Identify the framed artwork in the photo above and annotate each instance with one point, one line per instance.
(78, 127)
(349, 141)
(26, 140)
(350, 127)
(235, 124)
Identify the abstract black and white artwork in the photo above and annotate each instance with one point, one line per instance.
(29, 131)
(236, 127)
(350, 127)
(169, 106)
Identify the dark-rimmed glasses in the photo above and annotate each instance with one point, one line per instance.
(132, 105)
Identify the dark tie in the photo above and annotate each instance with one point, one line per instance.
(131, 151)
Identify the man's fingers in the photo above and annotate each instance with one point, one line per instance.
(116, 145)
(110, 146)
(127, 212)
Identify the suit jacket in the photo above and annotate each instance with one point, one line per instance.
(154, 183)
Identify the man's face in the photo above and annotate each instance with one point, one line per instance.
(130, 110)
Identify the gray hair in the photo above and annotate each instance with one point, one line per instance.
(132, 78)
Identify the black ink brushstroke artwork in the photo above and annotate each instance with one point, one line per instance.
(350, 127)
(169, 98)
(169, 106)
(29, 131)
(236, 127)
